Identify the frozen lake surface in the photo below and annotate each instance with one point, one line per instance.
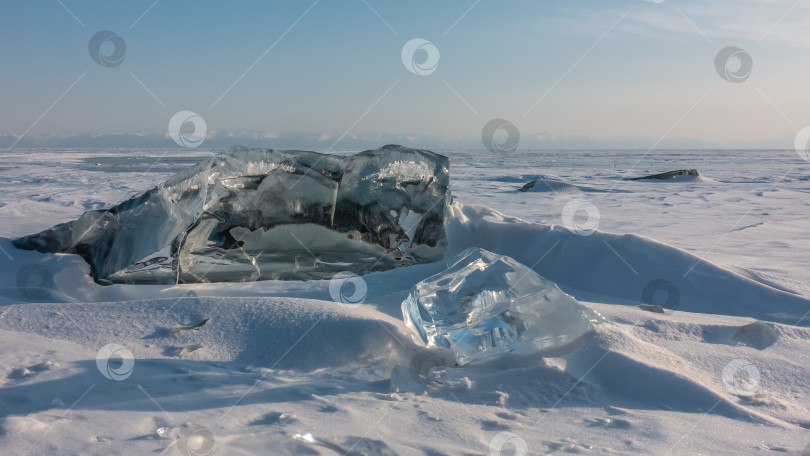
(703, 285)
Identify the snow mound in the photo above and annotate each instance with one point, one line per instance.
(244, 331)
(547, 184)
(620, 266)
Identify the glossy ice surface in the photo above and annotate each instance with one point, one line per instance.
(487, 304)
(258, 214)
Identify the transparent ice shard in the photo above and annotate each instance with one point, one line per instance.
(487, 304)
(258, 214)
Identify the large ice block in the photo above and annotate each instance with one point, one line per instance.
(487, 304)
(258, 214)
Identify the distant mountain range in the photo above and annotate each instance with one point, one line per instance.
(320, 141)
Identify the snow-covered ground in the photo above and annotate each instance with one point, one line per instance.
(721, 367)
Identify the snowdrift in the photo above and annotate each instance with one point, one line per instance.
(620, 266)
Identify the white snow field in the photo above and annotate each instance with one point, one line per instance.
(704, 348)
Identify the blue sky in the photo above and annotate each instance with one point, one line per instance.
(626, 73)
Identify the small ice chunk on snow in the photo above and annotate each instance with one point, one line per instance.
(486, 304)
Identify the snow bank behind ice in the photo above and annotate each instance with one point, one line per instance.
(621, 266)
